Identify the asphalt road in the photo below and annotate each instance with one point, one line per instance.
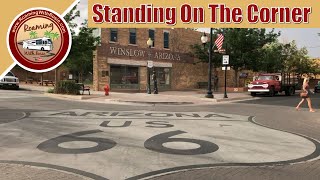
(255, 139)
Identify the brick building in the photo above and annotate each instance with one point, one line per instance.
(121, 59)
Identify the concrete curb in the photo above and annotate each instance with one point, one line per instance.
(236, 99)
(60, 96)
(71, 97)
(153, 102)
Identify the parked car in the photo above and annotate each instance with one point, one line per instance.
(317, 87)
(9, 81)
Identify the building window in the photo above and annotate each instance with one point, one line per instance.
(113, 34)
(124, 77)
(166, 40)
(133, 35)
(104, 73)
(151, 35)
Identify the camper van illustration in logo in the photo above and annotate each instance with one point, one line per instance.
(39, 40)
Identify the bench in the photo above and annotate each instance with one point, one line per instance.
(30, 80)
(46, 82)
(84, 88)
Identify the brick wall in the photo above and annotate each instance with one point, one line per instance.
(186, 76)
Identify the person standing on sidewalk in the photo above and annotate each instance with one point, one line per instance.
(305, 95)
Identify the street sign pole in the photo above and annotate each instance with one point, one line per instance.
(225, 82)
(225, 62)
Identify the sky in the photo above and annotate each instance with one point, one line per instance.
(308, 38)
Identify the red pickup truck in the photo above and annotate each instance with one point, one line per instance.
(273, 83)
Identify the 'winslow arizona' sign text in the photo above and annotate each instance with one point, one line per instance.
(119, 51)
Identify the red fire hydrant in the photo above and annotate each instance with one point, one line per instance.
(106, 89)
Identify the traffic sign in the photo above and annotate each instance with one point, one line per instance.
(224, 68)
(225, 59)
(150, 64)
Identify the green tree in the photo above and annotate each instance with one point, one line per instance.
(295, 59)
(80, 59)
(55, 36)
(47, 34)
(244, 46)
(315, 67)
(33, 34)
(70, 17)
(271, 59)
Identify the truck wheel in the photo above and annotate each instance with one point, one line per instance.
(271, 93)
(253, 94)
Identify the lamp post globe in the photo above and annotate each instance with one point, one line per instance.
(149, 42)
(204, 38)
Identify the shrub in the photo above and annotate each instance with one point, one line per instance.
(50, 90)
(67, 87)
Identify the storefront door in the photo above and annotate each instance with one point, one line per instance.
(163, 78)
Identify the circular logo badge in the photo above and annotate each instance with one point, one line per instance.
(39, 40)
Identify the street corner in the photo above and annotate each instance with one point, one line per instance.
(116, 144)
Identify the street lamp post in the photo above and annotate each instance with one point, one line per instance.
(204, 40)
(149, 43)
(155, 82)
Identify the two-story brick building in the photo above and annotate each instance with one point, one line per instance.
(122, 56)
(121, 59)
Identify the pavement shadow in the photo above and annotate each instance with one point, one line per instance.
(12, 89)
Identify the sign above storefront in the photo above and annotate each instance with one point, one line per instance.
(136, 53)
(120, 51)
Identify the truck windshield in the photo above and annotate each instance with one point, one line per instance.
(265, 78)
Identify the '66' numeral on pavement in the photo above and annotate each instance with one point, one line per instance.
(154, 143)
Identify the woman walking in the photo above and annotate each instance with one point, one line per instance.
(305, 95)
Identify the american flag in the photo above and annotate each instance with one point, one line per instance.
(219, 41)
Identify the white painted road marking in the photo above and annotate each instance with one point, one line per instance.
(119, 145)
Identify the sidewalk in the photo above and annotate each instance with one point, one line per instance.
(166, 97)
